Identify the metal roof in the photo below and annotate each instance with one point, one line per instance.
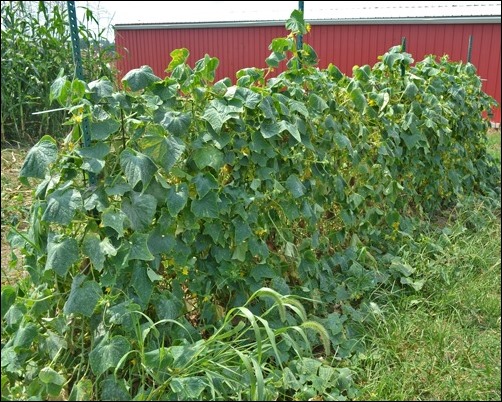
(348, 12)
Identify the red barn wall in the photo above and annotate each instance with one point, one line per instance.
(342, 45)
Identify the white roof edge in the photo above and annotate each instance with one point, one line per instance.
(345, 21)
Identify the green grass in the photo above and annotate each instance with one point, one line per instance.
(442, 343)
(494, 143)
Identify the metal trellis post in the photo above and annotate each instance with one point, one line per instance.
(299, 44)
(469, 49)
(79, 73)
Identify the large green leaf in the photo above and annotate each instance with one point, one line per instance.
(249, 98)
(270, 129)
(218, 112)
(296, 23)
(177, 197)
(206, 67)
(62, 205)
(208, 156)
(82, 391)
(141, 283)
(101, 88)
(108, 354)
(242, 230)
(207, 207)
(114, 219)
(139, 247)
(113, 389)
(50, 376)
(188, 388)
(39, 158)
(137, 167)
(140, 78)
(97, 249)
(102, 129)
(177, 123)
(62, 253)
(84, 296)
(178, 57)
(8, 298)
(317, 103)
(359, 100)
(94, 157)
(295, 186)
(275, 58)
(163, 149)
(139, 209)
(25, 336)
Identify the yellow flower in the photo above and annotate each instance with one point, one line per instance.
(184, 271)
(395, 225)
(78, 118)
(309, 27)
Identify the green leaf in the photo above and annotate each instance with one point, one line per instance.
(205, 182)
(114, 219)
(267, 107)
(113, 389)
(25, 336)
(116, 186)
(249, 98)
(207, 207)
(270, 129)
(139, 209)
(295, 186)
(359, 100)
(176, 199)
(62, 205)
(178, 57)
(296, 23)
(141, 283)
(8, 298)
(102, 88)
(411, 140)
(281, 44)
(239, 253)
(39, 158)
(94, 157)
(59, 90)
(206, 67)
(317, 103)
(108, 354)
(411, 91)
(299, 107)
(274, 59)
(355, 199)
(342, 141)
(188, 388)
(61, 254)
(91, 248)
(139, 247)
(140, 78)
(101, 130)
(83, 391)
(83, 298)
(242, 230)
(50, 376)
(165, 150)
(177, 123)
(137, 167)
(218, 112)
(208, 156)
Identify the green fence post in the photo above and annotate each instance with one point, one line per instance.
(79, 73)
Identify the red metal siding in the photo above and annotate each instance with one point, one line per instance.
(342, 45)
